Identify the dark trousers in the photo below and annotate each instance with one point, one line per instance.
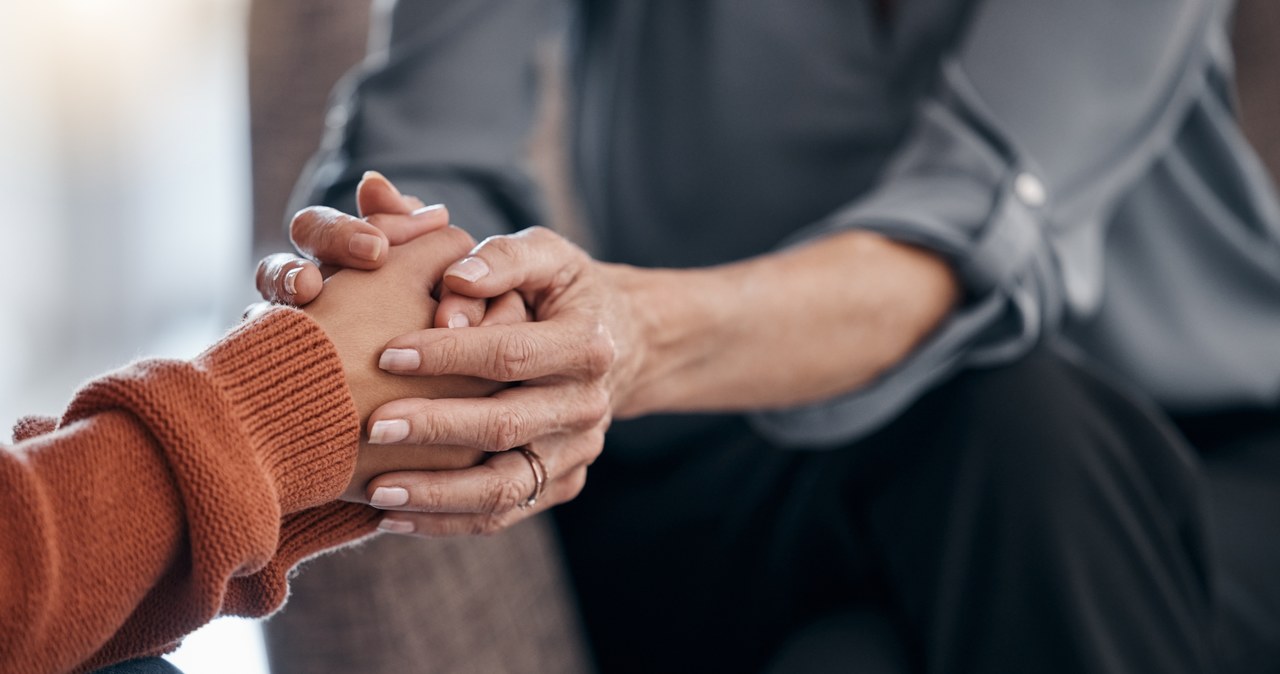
(1025, 518)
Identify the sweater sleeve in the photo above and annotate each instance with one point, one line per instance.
(171, 492)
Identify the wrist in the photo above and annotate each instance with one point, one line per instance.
(285, 385)
(678, 316)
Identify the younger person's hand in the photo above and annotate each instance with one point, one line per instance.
(340, 241)
(361, 310)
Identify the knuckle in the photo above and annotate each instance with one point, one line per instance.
(424, 428)
(503, 495)
(304, 224)
(601, 351)
(513, 357)
(429, 498)
(540, 234)
(317, 229)
(500, 245)
(564, 277)
(597, 406)
(446, 354)
(505, 430)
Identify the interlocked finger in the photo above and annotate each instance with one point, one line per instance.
(503, 352)
(447, 524)
(497, 486)
(510, 418)
(503, 483)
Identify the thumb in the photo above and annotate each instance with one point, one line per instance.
(375, 195)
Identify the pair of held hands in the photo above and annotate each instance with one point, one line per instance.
(444, 395)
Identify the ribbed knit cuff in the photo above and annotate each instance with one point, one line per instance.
(284, 379)
(303, 536)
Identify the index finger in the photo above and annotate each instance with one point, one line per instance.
(504, 353)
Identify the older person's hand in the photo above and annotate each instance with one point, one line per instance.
(607, 340)
(612, 340)
(573, 365)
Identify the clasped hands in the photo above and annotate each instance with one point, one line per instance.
(525, 349)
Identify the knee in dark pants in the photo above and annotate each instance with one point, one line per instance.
(1045, 514)
(1045, 439)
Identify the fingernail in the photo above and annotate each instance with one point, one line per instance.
(469, 269)
(399, 359)
(365, 246)
(392, 430)
(389, 497)
(459, 321)
(371, 175)
(395, 526)
(291, 281)
(427, 209)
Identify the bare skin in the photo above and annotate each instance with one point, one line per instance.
(611, 340)
(361, 310)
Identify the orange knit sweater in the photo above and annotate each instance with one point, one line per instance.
(172, 492)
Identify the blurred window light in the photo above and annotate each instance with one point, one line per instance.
(125, 175)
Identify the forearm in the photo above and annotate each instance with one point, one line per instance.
(165, 484)
(783, 329)
(64, 546)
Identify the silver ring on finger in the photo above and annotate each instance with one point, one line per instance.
(539, 477)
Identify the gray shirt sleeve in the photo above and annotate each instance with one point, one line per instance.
(1045, 113)
(442, 106)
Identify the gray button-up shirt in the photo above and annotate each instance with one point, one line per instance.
(1077, 162)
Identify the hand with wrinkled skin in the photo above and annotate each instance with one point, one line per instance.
(569, 373)
(360, 310)
(611, 340)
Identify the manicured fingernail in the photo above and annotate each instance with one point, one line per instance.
(399, 359)
(392, 430)
(395, 526)
(291, 281)
(459, 321)
(469, 269)
(372, 175)
(427, 209)
(389, 497)
(365, 246)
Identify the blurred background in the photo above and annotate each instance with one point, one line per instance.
(125, 170)
(136, 204)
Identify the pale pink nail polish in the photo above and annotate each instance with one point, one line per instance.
(365, 246)
(391, 430)
(291, 281)
(399, 360)
(389, 497)
(396, 526)
(469, 269)
(427, 209)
